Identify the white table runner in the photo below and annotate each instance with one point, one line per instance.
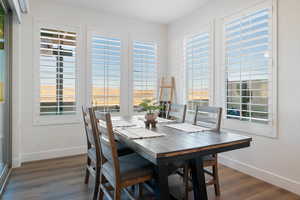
(138, 133)
(189, 128)
(122, 123)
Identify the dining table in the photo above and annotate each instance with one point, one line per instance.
(174, 146)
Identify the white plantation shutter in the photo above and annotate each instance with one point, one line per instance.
(248, 53)
(198, 67)
(144, 72)
(57, 72)
(106, 66)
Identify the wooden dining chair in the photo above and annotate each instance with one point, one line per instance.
(176, 112)
(119, 173)
(93, 165)
(209, 117)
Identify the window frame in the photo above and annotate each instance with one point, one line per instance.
(268, 130)
(123, 68)
(210, 28)
(55, 119)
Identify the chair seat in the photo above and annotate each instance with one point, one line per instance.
(132, 166)
(176, 167)
(209, 160)
(122, 150)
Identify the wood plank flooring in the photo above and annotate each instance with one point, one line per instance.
(62, 179)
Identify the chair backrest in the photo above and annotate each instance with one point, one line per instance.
(96, 134)
(177, 112)
(108, 143)
(190, 116)
(209, 116)
(92, 132)
(88, 127)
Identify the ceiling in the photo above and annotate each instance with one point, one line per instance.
(160, 11)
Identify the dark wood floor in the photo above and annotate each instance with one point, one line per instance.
(62, 179)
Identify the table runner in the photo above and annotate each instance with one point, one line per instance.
(189, 128)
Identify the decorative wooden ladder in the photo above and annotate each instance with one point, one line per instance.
(163, 100)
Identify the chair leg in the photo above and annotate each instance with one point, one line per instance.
(96, 189)
(140, 190)
(216, 180)
(117, 193)
(87, 172)
(186, 182)
(97, 184)
(101, 193)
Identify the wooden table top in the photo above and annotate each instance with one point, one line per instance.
(177, 143)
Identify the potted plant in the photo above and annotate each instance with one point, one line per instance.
(150, 107)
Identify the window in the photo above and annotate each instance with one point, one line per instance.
(106, 66)
(57, 72)
(249, 71)
(144, 72)
(198, 69)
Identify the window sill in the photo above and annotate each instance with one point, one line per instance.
(56, 120)
(249, 128)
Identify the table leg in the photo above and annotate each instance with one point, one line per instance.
(198, 179)
(163, 186)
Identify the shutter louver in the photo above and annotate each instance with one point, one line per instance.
(106, 66)
(248, 66)
(197, 63)
(144, 72)
(57, 72)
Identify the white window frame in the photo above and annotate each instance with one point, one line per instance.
(123, 68)
(269, 130)
(132, 39)
(55, 119)
(210, 29)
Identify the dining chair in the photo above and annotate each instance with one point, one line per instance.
(93, 165)
(209, 117)
(176, 112)
(119, 173)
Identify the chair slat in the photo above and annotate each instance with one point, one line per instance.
(101, 116)
(208, 109)
(209, 116)
(207, 119)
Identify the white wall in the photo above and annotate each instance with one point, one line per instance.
(34, 142)
(274, 160)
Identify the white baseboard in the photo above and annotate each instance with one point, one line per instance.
(280, 181)
(55, 153)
